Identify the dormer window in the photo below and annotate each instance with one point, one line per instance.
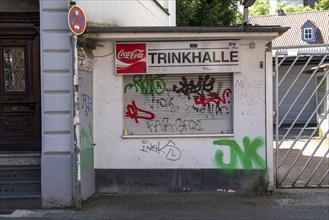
(309, 31)
(308, 34)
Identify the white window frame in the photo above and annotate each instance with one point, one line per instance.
(308, 33)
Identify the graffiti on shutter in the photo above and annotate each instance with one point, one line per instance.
(178, 104)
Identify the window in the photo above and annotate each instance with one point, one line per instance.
(308, 33)
(14, 69)
(184, 104)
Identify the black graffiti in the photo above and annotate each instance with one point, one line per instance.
(170, 150)
(164, 125)
(204, 84)
(180, 125)
(86, 104)
(184, 125)
(164, 103)
(210, 109)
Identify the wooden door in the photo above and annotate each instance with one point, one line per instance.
(19, 88)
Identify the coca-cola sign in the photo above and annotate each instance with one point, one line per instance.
(177, 57)
(130, 58)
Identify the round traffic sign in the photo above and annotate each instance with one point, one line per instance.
(77, 20)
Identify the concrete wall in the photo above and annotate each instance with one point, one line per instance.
(57, 105)
(113, 153)
(109, 13)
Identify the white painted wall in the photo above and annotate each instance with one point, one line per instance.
(84, 123)
(109, 13)
(114, 152)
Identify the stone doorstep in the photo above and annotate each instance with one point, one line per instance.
(21, 158)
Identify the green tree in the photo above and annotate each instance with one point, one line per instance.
(280, 5)
(206, 12)
(297, 8)
(260, 7)
(238, 18)
(322, 5)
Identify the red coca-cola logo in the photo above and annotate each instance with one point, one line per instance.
(130, 58)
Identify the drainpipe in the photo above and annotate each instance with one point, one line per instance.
(75, 154)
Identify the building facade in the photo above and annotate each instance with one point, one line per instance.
(132, 105)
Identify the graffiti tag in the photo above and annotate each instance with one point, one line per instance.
(180, 125)
(247, 155)
(86, 104)
(209, 110)
(170, 150)
(205, 84)
(166, 102)
(214, 97)
(86, 137)
(86, 143)
(147, 85)
(134, 112)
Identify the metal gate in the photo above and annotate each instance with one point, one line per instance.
(301, 119)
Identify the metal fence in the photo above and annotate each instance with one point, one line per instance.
(301, 119)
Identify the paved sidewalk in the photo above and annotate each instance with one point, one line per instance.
(284, 204)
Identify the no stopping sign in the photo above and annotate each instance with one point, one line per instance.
(77, 20)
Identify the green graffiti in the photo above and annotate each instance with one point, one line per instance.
(86, 137)
(87, 160)
(86, 148)
(147, 85)
(248, 157)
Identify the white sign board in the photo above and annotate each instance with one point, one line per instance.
(177, 57)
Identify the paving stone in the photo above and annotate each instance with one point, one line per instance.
(284, 204)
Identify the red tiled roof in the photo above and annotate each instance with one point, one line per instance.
(293, 37)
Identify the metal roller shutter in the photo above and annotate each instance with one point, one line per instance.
(178, 104)
(293, 94)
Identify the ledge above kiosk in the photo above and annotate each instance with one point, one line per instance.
(244, 32)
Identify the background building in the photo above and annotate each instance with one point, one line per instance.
(308, 33)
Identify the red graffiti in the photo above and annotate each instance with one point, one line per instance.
(214, 97)
(134, 112)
